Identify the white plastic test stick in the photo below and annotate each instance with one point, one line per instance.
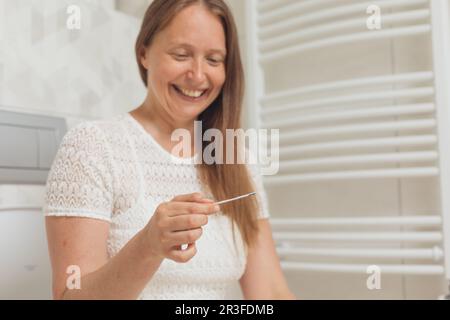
(184, 246)
(237, 198)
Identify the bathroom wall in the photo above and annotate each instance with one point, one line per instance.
(78, 74)
(134, 8)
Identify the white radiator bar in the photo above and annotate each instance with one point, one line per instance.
(277, 5)
(326, 15)
(346, 39)
(265, 6)
(380, 127)
(352, 175)
(291, 38)
(378, 143)
(426, 92)
(422, 237)
(436, 254)
(405, 221)
(358, 114)
(409, 78)
(363, 268)
(385, 159)
(441, 55)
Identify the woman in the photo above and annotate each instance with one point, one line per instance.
(120, 206)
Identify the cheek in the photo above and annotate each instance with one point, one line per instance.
(219, 78)
(167, 71)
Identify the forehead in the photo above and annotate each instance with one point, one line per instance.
(197, 26)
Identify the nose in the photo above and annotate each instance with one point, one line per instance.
(196, 73)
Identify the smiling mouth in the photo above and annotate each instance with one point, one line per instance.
(190, 94)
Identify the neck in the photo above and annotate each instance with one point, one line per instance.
(160, 124)
(160, 119)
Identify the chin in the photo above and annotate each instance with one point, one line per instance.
(189, 116)
(190, 111)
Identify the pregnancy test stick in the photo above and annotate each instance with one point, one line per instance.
(234, 199)
(184, 246)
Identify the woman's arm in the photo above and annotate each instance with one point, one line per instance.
(263, 278)
(82, 242)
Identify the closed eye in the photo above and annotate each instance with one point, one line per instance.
(214, 61)
(180, 57)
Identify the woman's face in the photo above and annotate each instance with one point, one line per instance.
(186, 63)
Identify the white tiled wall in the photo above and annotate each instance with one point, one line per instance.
(47, 69)
(78, 74)
(135, 7)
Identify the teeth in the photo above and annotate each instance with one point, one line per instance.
(192, 93)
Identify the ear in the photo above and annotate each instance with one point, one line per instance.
(143, 54)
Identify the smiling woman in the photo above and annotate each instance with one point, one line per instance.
(121, 207)
(182, 62)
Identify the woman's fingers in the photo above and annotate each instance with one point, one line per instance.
(192, 197)
(179, 223)
(187, 222)
(206, 200)
(179, 238)
(183, 208)
(183, 256)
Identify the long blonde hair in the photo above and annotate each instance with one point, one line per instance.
(223, 180)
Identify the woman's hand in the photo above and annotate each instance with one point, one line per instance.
(178, 222)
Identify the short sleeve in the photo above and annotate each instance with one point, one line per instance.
(255, 173)
(80, 179)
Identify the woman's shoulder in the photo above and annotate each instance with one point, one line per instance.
(95, 131)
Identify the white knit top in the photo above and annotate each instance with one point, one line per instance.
(113, 170)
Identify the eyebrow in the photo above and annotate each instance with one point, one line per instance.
(184, 44)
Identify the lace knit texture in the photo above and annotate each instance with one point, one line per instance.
(113, 170)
